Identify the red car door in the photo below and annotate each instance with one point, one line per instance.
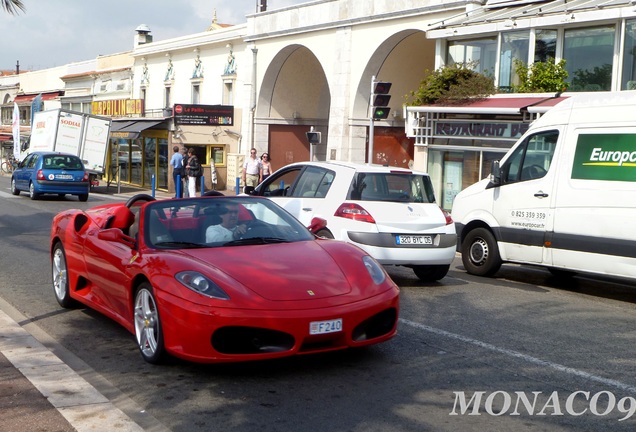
(106, 264)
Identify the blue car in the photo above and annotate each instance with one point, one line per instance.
(51, 173)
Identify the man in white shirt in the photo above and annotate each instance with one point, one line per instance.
(251, 171)
(228, 229)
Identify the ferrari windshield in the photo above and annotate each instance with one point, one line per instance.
(219, 221)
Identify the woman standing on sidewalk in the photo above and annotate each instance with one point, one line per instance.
(193, 170)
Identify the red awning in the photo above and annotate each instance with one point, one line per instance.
(496, 105)
(30, 97)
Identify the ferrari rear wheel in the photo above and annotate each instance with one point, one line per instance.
(60, 277)
(148, 331)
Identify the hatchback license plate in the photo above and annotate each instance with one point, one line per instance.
(323, 327)
(64, 176)
(413, 240)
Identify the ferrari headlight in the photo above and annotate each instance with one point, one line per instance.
(201, 284)
(374, 269)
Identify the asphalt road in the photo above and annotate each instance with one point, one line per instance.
(520, 335)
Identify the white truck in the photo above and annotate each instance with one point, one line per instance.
(66, 131)
(563, 197)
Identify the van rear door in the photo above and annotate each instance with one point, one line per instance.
(523, 201)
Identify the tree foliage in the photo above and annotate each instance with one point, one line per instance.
(13, 6)
(541, 77)
(453, 85)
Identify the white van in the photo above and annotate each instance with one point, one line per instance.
(563, 197)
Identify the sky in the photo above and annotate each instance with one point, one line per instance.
(57, 32)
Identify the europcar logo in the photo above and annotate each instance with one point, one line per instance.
(605, 157)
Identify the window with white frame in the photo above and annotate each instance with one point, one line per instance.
(480, 53)
(589, 55)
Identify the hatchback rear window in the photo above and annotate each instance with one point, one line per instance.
(391, 187)
(62, 162)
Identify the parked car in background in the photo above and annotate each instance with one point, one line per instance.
(51, 173)
(124, 151)
(389, 212)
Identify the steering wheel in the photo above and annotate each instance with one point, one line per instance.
(533, 172)
(139, 197)
(258, 229)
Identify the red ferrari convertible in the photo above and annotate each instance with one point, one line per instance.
(218, 279)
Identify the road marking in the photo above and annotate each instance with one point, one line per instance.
(568, 370)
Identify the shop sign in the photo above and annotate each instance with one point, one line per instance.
(118, 108)
(206, 115)
(470, 129)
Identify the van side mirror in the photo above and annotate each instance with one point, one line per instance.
(495, 175)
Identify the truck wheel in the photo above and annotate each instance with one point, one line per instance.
(480, 254)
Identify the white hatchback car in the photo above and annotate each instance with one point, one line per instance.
(389, 212)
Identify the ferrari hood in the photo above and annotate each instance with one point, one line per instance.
(279, 272)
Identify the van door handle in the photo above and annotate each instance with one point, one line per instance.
(541, 194)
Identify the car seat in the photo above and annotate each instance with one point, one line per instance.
(122, 218)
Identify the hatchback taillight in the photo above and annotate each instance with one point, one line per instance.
(86, 177)
(449, 219)
(40, 175)
(355, 212)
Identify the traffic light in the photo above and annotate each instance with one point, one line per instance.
(313, 137)
(380, 100)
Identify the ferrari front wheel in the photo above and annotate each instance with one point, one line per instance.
(148, 330)
(60, 277)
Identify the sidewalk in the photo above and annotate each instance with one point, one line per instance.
(39, 391)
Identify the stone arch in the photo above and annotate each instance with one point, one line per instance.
(402, 59)
(294, 87)
(293, 96)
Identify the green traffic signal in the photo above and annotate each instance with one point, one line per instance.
(381, 113)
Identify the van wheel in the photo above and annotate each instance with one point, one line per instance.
(480, 254)
(431, 273)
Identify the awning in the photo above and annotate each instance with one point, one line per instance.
(496, 105)
(44, 96)
(516, 15)
(130, 129)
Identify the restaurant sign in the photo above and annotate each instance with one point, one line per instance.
(473, 129)
(206, 115)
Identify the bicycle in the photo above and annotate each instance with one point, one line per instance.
(9, 165)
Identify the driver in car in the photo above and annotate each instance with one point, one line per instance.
(229, 227)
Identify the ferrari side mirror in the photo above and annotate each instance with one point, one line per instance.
(116, 235)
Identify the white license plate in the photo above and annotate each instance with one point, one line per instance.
(323, 327)
(413, 240)
(64, 176)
